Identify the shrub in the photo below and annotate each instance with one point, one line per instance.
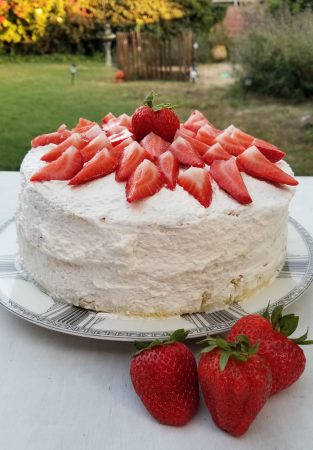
(276, 54)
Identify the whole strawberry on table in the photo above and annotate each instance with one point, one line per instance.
(236, 375)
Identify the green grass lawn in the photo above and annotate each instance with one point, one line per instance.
(36, 98)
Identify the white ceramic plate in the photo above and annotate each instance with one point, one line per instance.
(22, 297)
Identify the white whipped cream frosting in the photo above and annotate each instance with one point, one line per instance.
(166, 254)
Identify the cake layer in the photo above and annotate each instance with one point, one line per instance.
(163, 255)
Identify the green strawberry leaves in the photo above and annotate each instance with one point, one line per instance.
(286, 324)
(149, 102)
(240, 349)
(177, 336)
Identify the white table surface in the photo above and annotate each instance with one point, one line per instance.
(63, 392)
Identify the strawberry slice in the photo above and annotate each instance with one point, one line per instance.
(227, 176)
(117, 151)
(243, 138)
(195, 126)
(98, 143)
(147, 180)
(207, 134)
(215, 152)
(229, 144)
(64, 168)
(197, 182)
(185, 153)
(186, 131)
(108, 117)
(100, 165)
(154, 145)
(82, 123)
(269, 150)
(132, 156)
(254, 163)
(92, 132)
(169, 167)
(75, 139)
(119, 137)
(51, 138)
(197, 145)
(125, 120)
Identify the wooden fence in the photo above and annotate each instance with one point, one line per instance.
(142, 55)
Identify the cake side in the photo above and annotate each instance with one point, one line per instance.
(168, 255)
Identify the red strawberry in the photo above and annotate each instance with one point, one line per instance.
(198, 184)
(64, 168)
(146, 180)
(185, 153)
(164, 376)
(125, 121)
(269, 150)
(53, 154)
(229, 144)
(235, 382)
(254, 163)
(215, 152)
(195, 126)
(186, 131)
(83, 124)
(100, 165)
(243, 138)
(227, 176)
(98, 143)
(51, 138)
(117, 151)
(108, 117)
(132, 156)
(92, 132)
(197, 145)
(169, 167)
(207, 134)
(117, 138)
(154, 145)
(195, 121)
(285, 357)
(161, 119)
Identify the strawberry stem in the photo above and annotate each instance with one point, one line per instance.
(286, 324)
(240, 349)
(177, 336)
(149, 102)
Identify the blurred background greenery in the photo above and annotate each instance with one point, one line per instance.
(255, 66)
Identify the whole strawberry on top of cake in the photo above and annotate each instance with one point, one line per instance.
(146, 215)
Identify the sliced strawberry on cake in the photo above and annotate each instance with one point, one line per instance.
(132, 156)
(227, 176)
(254, 163)
(243, 138)
(117, 151)
(108, 117)
(197, 145)
(229, 144)
(64, 168)
(100, 165)
(146, 180)
(185, 153)
(197, 182)
(195, 121)
(119, 137)
(154, 145)
(216, 151)
(92, 132)
(169, 166)
(51, 138)
(98, 143)
(269, 150)
(186, 131)
(207, 134)
(75, 139)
